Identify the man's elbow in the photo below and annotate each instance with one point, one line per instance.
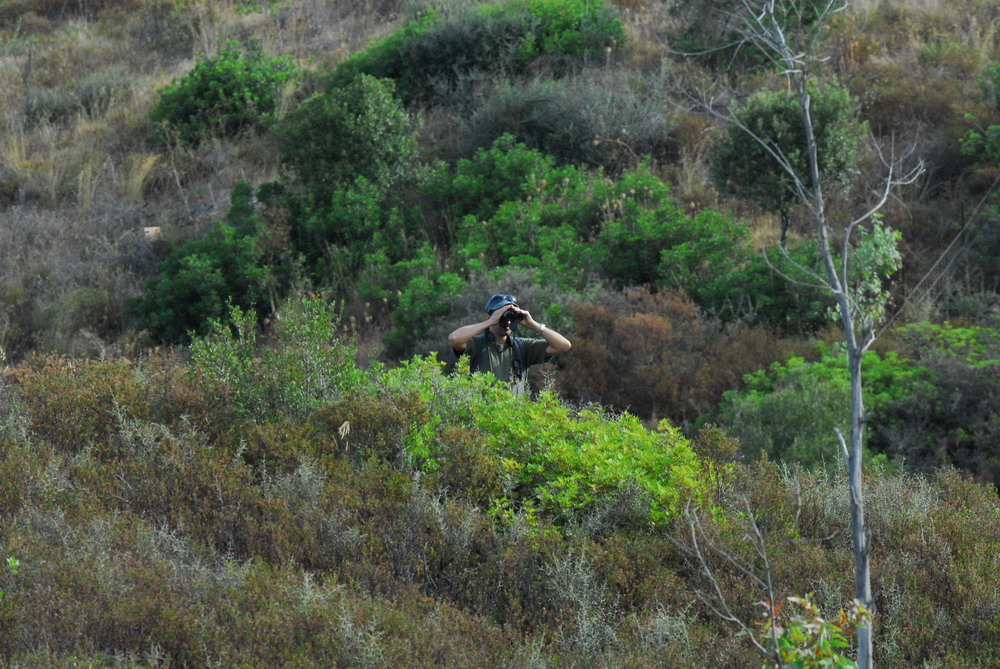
(559, 347)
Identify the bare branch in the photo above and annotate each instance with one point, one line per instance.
(719, 605)
(821, 283)
(955, 239)
(843, 446)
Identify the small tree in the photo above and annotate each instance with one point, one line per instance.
(854, 278)
(743, 166)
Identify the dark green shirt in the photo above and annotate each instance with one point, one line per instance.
(501, 362)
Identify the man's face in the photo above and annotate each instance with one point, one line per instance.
(504, 326)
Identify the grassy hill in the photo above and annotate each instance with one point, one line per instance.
(341, 185)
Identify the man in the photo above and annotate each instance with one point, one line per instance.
(492, 346)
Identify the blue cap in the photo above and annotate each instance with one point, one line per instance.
(498, 301)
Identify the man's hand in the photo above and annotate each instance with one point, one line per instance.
(529, 322)
(556, 342)
(498, 314)
(460, 337)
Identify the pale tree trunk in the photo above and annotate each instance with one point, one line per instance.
(855, 353)
(859, 529)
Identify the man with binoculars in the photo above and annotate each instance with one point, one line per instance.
(492, 346)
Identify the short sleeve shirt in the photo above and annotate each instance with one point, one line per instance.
(501, 362)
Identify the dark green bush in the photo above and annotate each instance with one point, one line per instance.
(989, 83)
(335, 137)
(745, 168)
(434, 55)
(950, 418)
(983, 144)
(199, 279)
(224, 94)
(505, 171)
(426, 295)
(513, 206)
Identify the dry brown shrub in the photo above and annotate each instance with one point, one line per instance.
(656, 356)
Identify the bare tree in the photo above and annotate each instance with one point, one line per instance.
(867, 249)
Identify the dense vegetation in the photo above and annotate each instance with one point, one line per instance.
(230, 442)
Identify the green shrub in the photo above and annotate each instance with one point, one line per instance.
(18, 320)
(513, 206)
(199, 279)
(563, 461)
(335, 137)
(790, 411)
(224, 94)
(745, 168)
(50, 105)
(982, 144)
(506, 171)
(434, 55)
(307, 366)
(989, 83)
(89, 310)
(425, 296)
(339, 238)
(951, 418)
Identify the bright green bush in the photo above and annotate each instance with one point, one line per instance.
(561, 461)
(224, 94)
